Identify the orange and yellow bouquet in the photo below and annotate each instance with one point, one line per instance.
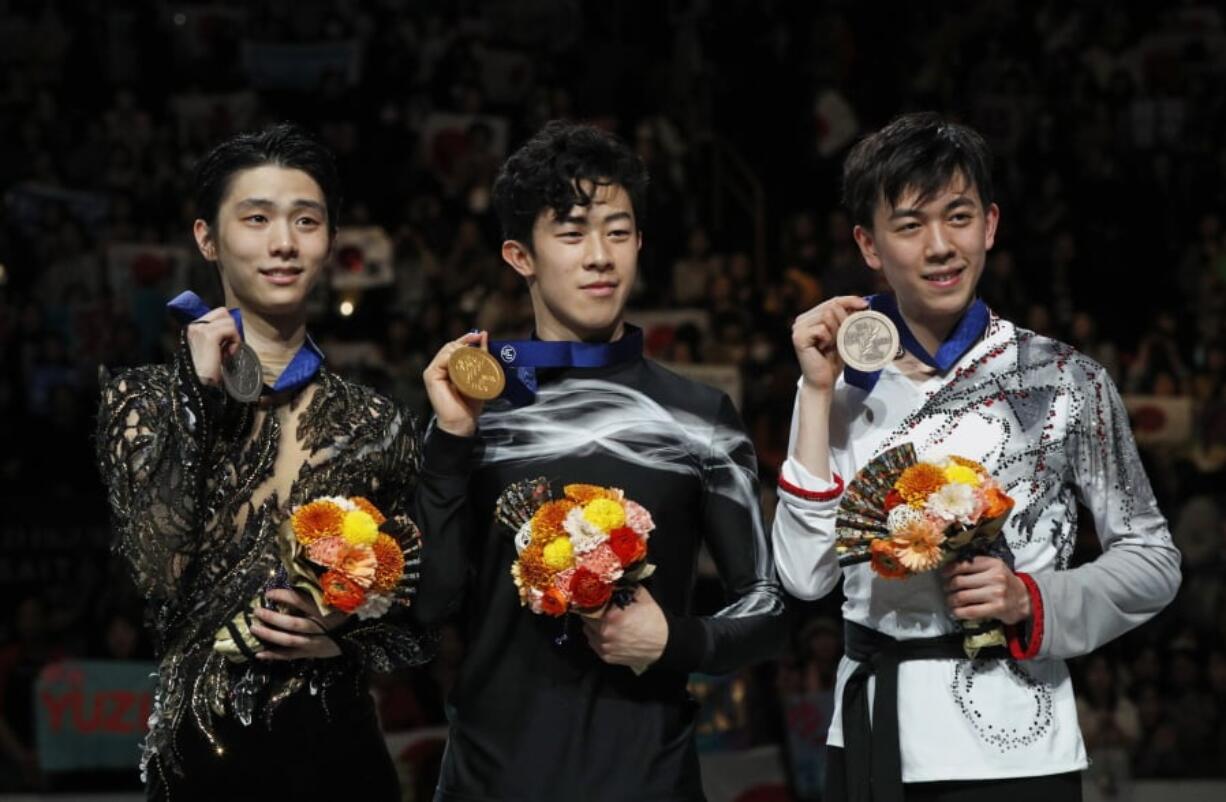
(343, 553)
(576, 552)
(357, 556)
(906, 517)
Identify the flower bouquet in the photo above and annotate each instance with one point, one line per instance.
(905, 517)
(345, 555)
(578, 550)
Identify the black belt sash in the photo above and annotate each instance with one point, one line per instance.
(874, 761)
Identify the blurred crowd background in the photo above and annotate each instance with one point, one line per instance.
(1109, 125)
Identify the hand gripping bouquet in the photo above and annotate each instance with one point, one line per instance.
(345, 555)
(906, 517)
(579, 549)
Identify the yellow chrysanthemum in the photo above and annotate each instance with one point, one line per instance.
(969, 463)
(605, 513)
(918, 482)
(359, 528)
(316, 520)
(586, 493)
(391, 563)
(364, 504)
(963, 475)
(559, 554)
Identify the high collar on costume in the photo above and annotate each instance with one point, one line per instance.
(187, 306)
(520, 359)
(964, 335)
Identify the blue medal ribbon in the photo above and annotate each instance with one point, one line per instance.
(188, 306)
(521, 358)
(964, 335)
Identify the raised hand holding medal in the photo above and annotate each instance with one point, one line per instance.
(458, 393)
(218, 352)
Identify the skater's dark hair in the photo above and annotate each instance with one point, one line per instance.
(551, 169)
(283, 145)
(920, 152)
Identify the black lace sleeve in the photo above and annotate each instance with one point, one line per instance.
(156, 427)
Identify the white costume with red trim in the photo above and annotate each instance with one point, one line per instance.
(1048, 424)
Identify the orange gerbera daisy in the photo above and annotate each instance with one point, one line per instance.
(547, 522)
(585, 493)
(997, 502)
(918, 482)
(391, 563)
(918, 545)
(364, 504)
(884, 559)
(316, 520)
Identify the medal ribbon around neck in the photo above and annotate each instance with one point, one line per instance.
(521, 358)
(188, 306)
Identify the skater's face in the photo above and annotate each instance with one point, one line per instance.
(581, 266)
(270, 240)
(931, 251)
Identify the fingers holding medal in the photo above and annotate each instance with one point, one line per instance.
(222, 358)
(460, 379)
(816, 338)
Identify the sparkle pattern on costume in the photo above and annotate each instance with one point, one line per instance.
(191, 479)
(1053, 422)
(1004, 738)
(1058, 418)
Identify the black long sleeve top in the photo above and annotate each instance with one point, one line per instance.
(534, 719)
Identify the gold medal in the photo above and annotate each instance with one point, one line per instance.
(476, 374)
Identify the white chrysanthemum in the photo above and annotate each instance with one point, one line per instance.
(953, 502)
(523, 537)
(584, 535)
(344, 503)
(901, 516)
(374, 606)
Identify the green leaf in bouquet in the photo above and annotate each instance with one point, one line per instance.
(978, 537)
(234, 640)
(981, 633)
(637, 573)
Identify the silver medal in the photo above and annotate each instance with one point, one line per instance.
(867, 341)
(242, 375)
